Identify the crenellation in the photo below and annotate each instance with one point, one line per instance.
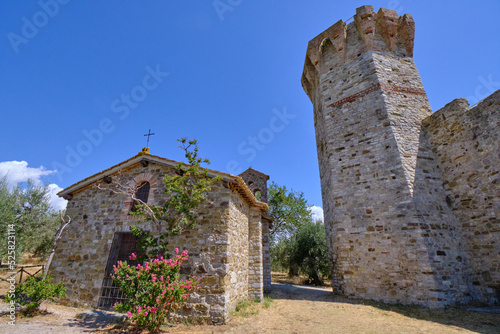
(387, 25)
(365, 24)
(406, 34)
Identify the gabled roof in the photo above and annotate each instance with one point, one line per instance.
(251, 170)
(236, 183)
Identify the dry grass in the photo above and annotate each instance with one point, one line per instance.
(303, 309)
(4, 273)
(283, 278)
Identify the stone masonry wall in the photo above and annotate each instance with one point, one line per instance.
(237, 289)
(388, 238)
(465, 142)
(266, 255)
(255, 264)
(217, 246)
(256, 181)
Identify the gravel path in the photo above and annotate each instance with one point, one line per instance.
(60, 320)
(295, 309)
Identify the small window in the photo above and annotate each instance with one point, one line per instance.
(258, 194)
(142, 194)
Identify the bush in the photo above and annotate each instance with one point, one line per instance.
(305, 251)
(27, 209)
(310, 253)
(153, 289)
(34, 291)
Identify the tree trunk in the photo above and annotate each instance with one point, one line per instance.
(54, 246)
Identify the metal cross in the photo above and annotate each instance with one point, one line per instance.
(148, 134)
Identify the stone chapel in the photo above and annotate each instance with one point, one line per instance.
(228, 248)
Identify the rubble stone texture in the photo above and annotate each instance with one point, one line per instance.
(225, 247)
(257, 182)
(410, 198)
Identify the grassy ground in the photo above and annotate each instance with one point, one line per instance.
(296, 309)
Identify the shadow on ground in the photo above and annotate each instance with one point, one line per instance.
(93, 319)
(481, 320)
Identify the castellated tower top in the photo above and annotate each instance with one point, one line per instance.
(383, 31)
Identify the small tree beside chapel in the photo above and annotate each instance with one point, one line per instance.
(154, 286)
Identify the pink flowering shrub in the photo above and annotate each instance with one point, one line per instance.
(153, 289)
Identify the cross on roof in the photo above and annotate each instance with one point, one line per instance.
(148, 134)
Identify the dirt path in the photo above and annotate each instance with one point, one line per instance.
(297, 309)
(302, 309)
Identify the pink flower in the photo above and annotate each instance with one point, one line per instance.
(146, 313)
(129, 314)
(133, 256)
(153, 309)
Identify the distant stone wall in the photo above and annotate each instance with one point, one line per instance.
(467, 148)
(255, 259)
(256, 182)
(218, 246)
(266, 255)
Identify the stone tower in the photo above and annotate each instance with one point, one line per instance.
(257, 183)
(390, 237)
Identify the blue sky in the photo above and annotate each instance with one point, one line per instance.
(82, 81)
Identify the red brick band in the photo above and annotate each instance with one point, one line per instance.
(375, 87)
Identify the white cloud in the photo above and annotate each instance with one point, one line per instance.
(57, 202)
(18, 171)
(317, 213)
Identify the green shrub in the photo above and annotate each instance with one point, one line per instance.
(153, 289)
(32, 292)
(304, 252)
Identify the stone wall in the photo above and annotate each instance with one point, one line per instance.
(255, 258)
(465, 142)
(257, 182)
(266, 255)
(218, 245)
(237, 289)
(390, 234)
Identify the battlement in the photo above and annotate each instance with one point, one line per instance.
(383, 31)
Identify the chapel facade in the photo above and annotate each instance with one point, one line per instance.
(228, 248)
